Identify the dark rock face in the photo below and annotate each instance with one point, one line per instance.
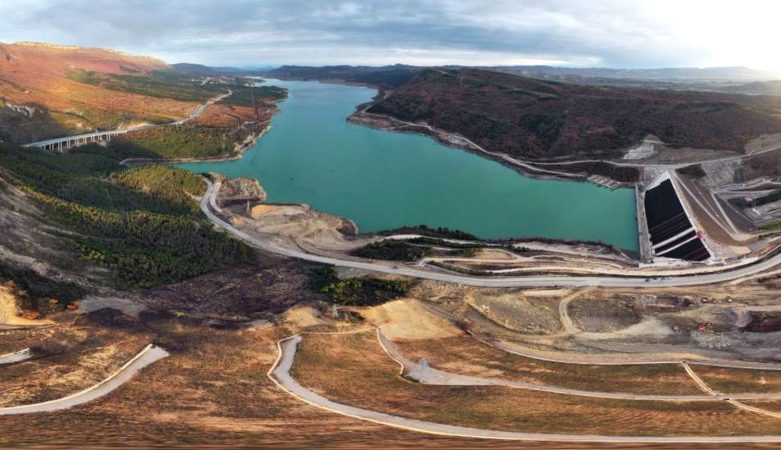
(763, 323)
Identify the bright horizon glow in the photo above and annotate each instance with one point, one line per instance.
(570, 33)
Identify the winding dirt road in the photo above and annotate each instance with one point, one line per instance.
(733, 401)
(623, 359)
(147, 356)
(423, 373)
(21, 355)
(280, 375)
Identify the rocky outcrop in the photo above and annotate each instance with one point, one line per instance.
(27, 111)
(239, 190)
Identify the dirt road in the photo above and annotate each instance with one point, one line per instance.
(280, 375)
(16, 357)
(420, 371)
(147, 356)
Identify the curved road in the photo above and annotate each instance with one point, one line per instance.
(21, 355)
(623, 359)
(423, 373)
(280, 375)
(147, 356)
(529, 281)
(194, 115)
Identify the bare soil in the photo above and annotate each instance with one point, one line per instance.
(469, 357)
(237, 294)
(352, 369)
(603, 315)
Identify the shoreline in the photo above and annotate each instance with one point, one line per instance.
(351, 230)
(387, 123)
(237, 154)
(526, 168)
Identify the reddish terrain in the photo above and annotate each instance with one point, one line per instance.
(37, 75)
(541, 120)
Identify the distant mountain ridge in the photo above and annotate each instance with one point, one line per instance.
(382, 76)
(660, 74)
(726, 79)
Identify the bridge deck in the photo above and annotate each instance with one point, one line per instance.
(76, 138)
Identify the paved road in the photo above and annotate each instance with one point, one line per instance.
(195, 114)
(202, 108)
(280, 375)
(523, 281)
(16, 357)
(147, 356)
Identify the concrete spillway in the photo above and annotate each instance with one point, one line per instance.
(646, 250)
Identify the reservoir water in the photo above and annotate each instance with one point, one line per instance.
(383, 180)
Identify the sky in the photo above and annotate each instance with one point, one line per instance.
(576, 33)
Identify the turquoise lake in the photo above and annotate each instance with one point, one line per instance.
(383, 180)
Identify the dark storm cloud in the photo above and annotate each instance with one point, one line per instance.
(595, 32)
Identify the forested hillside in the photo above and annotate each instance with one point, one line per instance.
(142, 224)
(540, 120)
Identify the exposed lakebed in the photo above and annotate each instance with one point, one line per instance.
(383, 180)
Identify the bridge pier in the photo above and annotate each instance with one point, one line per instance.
(64, 144)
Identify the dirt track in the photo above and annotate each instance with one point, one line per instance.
(16, 357)
(280, 375)
(147, 356)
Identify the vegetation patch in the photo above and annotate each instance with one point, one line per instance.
(177, 187)
(729, 380)
(437, 232)
(363, 291)
(178, 141)
(139, 223)
(392, 250)
(772, 226)
(181, 86)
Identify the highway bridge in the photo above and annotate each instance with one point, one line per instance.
(62, 144)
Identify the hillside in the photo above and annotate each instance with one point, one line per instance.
(383, 76)
(541, 120)
(40, 99)
(678, 74)
(758, 88)
(83, 217)
(48, 91)
(84, 213)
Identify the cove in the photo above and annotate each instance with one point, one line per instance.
(383, 180)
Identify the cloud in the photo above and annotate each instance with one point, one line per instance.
(618, 33)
